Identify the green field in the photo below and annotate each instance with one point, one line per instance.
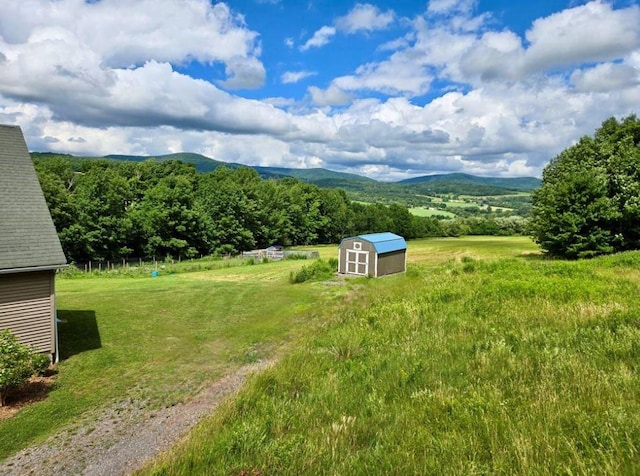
(430, 212)
(484, 358)
(157, 340)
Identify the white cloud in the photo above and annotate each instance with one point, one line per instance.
(170, 31)
(398, 43)
(320, 38)
(591, 32)
(296, 76)
(606, 77)
(244, 73)
(364, 17)
(495, 55)
(444, 7)
(80, 80)
(588, 33)
(164, 30)
(403, 73)
(332, 96)
(289, 42)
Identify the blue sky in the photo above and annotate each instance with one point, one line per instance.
(385, 89)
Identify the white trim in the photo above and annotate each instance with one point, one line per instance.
(375, 264)
(357, 263)
(405, 260)
(33, 268)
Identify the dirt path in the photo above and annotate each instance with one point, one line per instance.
(122, 438)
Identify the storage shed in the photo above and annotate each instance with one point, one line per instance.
(30, 251)
(376, 254)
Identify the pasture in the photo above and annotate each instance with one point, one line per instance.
(490, 361)
(483, 358)
(430, 212)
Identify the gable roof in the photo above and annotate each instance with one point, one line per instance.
(384, 242)
(28, 238)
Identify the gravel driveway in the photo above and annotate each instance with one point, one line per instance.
(123, 437)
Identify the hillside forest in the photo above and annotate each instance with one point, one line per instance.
(111, 210)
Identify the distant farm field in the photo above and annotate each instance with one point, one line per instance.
(430, 212)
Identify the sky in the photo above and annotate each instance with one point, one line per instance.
(385, 89)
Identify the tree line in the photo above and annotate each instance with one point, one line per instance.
(110, 210)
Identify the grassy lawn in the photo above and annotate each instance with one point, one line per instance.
(483, 358)
(158, 340)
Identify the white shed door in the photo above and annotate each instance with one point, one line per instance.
(358, 262)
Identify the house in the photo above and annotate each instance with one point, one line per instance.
(377, 254)
(30, 251)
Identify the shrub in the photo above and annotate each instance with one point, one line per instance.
(17, 363)
(297, 256)
(318, 270)
(333, 263)
(40, 363)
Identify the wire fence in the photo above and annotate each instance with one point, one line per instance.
(170, 265)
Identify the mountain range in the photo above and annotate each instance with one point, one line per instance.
(459, 183)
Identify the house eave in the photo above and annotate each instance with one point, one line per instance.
(29, 269)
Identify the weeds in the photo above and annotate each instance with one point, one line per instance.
(317, 271)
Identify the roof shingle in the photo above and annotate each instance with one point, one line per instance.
(28, 238)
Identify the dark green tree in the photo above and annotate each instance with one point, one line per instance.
(226, 209)
(103, 228)
(589, 201)
(169, 222)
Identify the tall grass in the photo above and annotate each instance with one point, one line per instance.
(468, 366)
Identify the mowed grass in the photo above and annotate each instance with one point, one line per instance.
(483, 359)
(152, 342)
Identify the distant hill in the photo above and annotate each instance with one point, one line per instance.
(315, 175)
(411, 191)
(525, 184)
(205, 164)
(202, 163)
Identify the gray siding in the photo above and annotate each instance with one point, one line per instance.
(27, 308)
(390, 263)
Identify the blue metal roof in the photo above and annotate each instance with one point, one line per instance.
(384, 242)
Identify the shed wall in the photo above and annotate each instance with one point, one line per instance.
(27, 308)
(351, 245)
(390, 263)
